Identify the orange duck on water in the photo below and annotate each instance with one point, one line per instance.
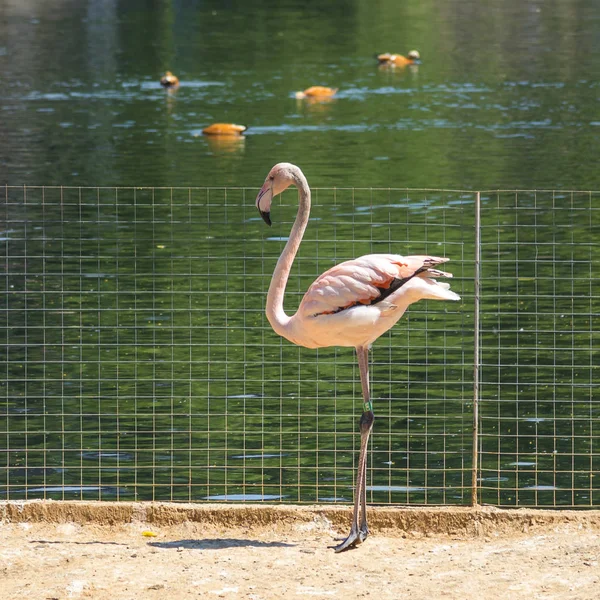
(169, 80)
(316, 91)
(224, 129)
(397, 60)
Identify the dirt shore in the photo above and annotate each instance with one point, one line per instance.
(127, 551)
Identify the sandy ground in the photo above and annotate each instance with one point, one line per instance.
(290, 558)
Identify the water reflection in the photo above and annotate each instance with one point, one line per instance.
(261, 456)
(394, 488)
(315, 104)
(71, 491)
(228, 144)
(244, 497)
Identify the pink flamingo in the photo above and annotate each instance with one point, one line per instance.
(351, 304)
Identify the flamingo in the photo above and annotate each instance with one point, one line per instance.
(224, 129)
(350, 305)
(169, 80)
(397, 60)
(316, 91)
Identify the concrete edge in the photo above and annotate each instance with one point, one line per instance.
(458, 521)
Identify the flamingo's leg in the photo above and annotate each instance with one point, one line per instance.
(363, 363)
(358, 534)
(364, 529)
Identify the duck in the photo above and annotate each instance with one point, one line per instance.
(397, 60)
(316, 91)
(224, 129)
(169, 80)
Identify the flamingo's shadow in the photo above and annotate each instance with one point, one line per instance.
(218, 544)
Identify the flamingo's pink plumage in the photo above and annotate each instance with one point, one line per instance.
(351, 304)
(355, 302)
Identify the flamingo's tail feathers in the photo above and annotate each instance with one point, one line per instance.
(442, 291)
(438, 273)
(436, 290)
(432, 261)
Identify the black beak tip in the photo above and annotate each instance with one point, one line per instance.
(266, 217)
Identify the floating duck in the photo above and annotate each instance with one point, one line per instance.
(316, 91)
(224, 129)
(397, 60)
(169, 80)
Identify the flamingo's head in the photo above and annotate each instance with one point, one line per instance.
(280, 177)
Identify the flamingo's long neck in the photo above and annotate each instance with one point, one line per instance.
(275, 313)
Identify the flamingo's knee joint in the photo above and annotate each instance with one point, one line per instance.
(366, 421)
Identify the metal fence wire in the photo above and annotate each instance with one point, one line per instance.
(539, 444)
(138, 364)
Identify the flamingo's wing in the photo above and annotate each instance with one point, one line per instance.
(366, 280)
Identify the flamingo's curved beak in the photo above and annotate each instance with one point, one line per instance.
(266, 217)
(263, 201)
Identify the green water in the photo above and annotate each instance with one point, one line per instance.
(505, 97)
(138, 360)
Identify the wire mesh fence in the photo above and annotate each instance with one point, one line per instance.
(539, 443)
(139, 363)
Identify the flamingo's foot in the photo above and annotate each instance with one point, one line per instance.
(354, 538)
(363, 533)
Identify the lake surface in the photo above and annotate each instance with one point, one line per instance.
(506, 95)
(139, 362)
